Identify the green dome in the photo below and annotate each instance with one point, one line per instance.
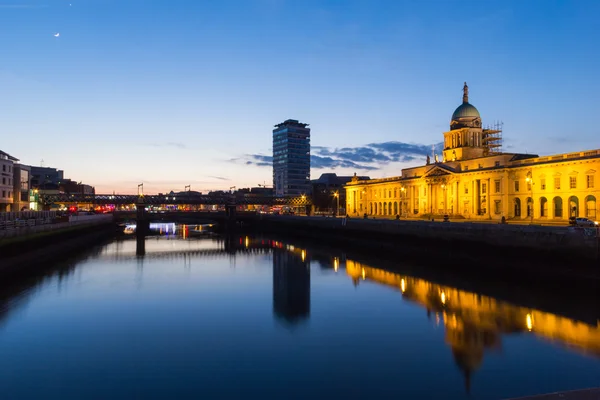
(465, 110)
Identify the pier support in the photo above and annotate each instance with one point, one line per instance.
(142, 221)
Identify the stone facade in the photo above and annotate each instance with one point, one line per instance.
(474, 181)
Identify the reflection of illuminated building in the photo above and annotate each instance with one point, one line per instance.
(291, 284)
(475, 323)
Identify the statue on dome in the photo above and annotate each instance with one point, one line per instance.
(465, 93)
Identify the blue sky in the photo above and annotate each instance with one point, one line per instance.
(178, 92)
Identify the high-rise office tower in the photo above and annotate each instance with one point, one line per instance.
(291, 158)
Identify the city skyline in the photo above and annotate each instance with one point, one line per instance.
(182, 93)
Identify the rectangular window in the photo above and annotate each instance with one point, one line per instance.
(4, 193)
(529, 186)
(590, 181)
(497, 186)
(516, 186)
(557, 183)
(466, 188)
(484, 188)
(497, 163)
(497, 206)
(466, 167)
(4, 181)
(572, 182)
(543, 183)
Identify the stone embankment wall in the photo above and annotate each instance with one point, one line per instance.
(35, 247)
(35, 226)
(577, 242)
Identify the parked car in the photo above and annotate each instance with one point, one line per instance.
(584, 222)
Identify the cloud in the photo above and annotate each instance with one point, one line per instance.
(220, 178)
(370, 157)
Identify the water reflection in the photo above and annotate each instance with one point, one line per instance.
(291, 284)
(232, 303)
(474, 323)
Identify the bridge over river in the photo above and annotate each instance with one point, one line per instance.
(179, 199)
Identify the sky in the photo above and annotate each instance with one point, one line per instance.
(172, 93)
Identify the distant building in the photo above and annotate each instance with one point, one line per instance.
(325, 188)
(6, 183)
(71, 187)
(41, 176)
(21, 187)
(291, 158)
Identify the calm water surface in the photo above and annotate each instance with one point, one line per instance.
(186, 317)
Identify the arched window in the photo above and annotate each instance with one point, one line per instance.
(529, 207)
(517, 207)
(573, 206)
(558, 207)
(375, 213)
(380, 209)
(390, 193)
(371, 208)
(395, 208)
(543, 207)
(590, 207)
(390, 208)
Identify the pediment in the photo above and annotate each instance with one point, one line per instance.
(437, 171)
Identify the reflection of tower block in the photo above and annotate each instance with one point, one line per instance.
(291, 286)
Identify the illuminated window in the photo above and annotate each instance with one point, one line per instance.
(497, 206)
(572, 182)
(516, 186)
(590, 181)
(557, 183)
(497, 186)
(543, 183)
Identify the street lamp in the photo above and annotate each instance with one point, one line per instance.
(337, 196)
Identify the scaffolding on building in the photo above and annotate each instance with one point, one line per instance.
(492, 138)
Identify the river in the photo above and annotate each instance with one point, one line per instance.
(187, 315)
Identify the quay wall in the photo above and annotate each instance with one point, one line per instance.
(33, 247)
(577, 243)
